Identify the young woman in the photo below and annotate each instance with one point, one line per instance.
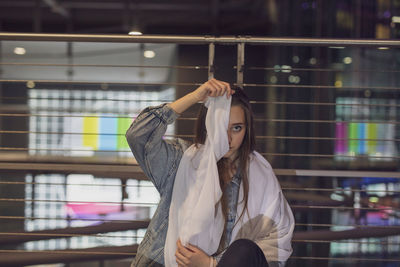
(258, 222)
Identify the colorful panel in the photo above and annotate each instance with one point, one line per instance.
(123, 125)
(108, 130)
(90, 132)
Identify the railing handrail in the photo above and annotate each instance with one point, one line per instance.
(188, 39)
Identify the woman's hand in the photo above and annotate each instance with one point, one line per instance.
(191, 256)
(212, 88)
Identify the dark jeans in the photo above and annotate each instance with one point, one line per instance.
(243, 253)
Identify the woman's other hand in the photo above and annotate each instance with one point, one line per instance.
(191, 256)
(212, 88)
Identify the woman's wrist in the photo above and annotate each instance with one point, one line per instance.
(183, 103)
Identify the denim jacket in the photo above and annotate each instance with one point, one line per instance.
(159, 160)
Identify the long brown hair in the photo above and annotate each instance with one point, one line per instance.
(239, 98)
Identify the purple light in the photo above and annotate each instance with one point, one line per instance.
(314, 4)
(386, 14)
(305, 5)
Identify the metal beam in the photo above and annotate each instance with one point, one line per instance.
(187, 39)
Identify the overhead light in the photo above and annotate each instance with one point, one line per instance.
(383, 48)
(135, 29)
(19, 51)
(336, 47)
(149, 54)
(135, 32)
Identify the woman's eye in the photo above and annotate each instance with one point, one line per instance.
(237, 128)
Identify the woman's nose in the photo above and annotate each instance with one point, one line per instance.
(229, 137)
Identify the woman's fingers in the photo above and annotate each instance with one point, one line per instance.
(182, 250)
(180, 259)
(182, 254)
(193, 248)
(218, 88)
(229, 90)
(213, 88)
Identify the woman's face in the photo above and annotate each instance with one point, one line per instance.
(236, 131)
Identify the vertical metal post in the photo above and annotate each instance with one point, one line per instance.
(240, 65)
(211, 69)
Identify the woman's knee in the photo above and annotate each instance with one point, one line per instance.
(245, 243)
(243, 252)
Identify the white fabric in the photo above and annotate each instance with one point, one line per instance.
(194, 217)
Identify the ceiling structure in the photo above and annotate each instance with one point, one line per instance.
(194, 17)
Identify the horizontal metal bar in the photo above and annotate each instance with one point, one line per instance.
(101, 65)
(169, 100)
(101, 170)
(193, 119)
(349, 226)
(50, 236)
(39, 257)
(111, 252)
(336, 173)
(192, 136)
(284, 188)
(330, 156)
(381, 243)
(152, 186)
(185, 39)
(134, 171)
(324, 104)
(2, 217)
(66, 116)
(108, 185)
(144, 203)
(286, 70)
(99, 82)
(340, 207)
(45, 235)
(395, 227)
(75, 201)
(306, 86)
(31, 149)
(344, 259)
(310, 86)
(322, 121)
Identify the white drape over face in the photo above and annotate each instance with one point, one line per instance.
(194, 216)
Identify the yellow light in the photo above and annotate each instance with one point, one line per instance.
(19, 51)
(347, 60)
(149, 54)
(30, 84)
(395, 19)
(338, 84)
(373, 199)
(383, 48)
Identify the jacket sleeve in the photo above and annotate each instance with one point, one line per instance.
(158, 158)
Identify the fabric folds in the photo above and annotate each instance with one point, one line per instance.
(194, 216)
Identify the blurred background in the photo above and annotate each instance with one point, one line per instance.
(323, 81)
